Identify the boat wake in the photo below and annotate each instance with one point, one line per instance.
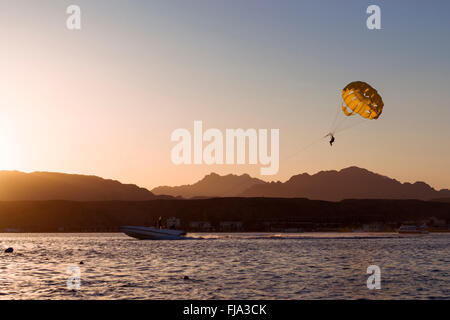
(287, 236)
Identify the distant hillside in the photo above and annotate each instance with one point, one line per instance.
(348, 183)
(212, 185)
(17, 186)
(257, 214)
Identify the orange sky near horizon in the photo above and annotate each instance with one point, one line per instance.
(104, 100)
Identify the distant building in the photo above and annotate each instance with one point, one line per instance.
(200, 226)
(173, 223)
(438, 225)
(231, 225)
(293, 230)
(287, 223)
(437, 222)
(374, 227)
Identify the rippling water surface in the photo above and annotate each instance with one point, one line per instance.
(225, 266)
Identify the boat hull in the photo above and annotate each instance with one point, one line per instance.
(152, 233)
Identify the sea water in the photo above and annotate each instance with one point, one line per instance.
(224, 266)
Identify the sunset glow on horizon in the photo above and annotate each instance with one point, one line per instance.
(104, 100)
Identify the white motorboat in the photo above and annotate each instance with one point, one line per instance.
(152, 233)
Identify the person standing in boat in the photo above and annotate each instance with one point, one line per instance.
(159, 223)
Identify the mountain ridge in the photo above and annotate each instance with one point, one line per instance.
(225, 186)
(329, 185)
(43, 185)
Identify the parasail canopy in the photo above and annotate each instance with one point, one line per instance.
(360, 98)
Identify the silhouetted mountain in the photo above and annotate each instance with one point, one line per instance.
(212, 185)
(348, 183)
(16, 186)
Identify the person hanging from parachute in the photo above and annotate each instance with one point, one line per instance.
(331, 139)
(358, 98)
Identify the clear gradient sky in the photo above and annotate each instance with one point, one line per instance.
(104, 100)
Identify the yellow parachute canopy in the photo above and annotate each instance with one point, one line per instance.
(360, 98)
